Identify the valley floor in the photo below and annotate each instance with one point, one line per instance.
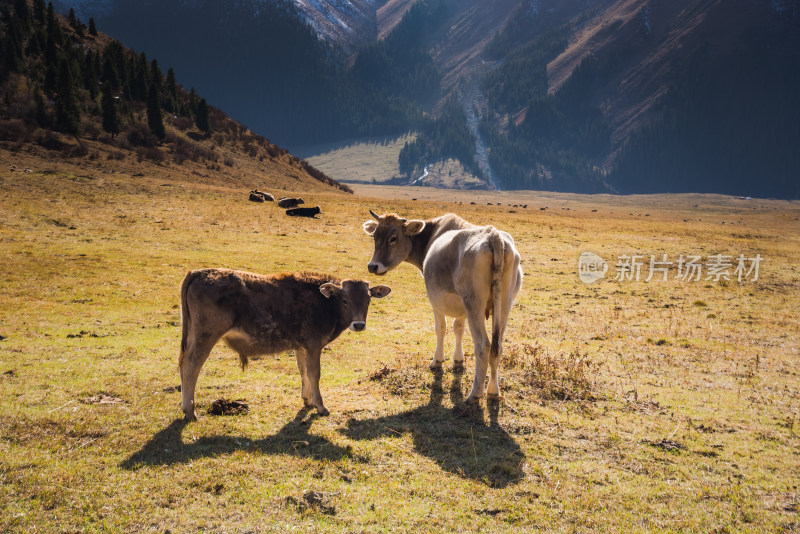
(662, 405)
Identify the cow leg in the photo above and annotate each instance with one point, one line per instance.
(493, 391)
(193, 359)
(440, 322)
(458, 355)
(305, 389)
(312, 378)
(477, 328)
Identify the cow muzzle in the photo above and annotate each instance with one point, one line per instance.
(376, 267)
(358, 326)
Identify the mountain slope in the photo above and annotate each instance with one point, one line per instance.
(70, 98)
(554, 94)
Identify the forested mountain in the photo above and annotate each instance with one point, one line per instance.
(262, 64)
(571, 95)
(70, 90)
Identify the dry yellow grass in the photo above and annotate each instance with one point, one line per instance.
(628, 406)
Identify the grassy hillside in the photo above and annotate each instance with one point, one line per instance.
(71, 95)
(628, 406)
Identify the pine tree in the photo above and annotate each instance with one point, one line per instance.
(171, 102)
(92, 27)
(39, 10)
(23, 14)
(154, 120)
(202, 120)
(68, 113)
(110, 118)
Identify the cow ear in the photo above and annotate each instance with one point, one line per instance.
(329, 289)
(370, 227)
(413, 227)
(378, 292)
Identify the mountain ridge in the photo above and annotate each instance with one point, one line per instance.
(95, 115)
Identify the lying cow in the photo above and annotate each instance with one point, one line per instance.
(470, 272)
(290, 202)
(260, 196)
(263, 314)
(303, 212)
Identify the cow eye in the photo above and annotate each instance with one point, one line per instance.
(345, 302)
(393, 240)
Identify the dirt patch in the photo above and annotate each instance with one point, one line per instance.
(312, 500)
(102, 398)
(381, 373)
(228, 407)
(665, 444)
(84, 333)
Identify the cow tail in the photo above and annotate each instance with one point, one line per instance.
(185, 317)
(498, 266)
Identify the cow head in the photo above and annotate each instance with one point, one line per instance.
(392, 235)
(353, 297)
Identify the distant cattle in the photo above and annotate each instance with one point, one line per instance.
(290, 202)
(470, 272)
(258, 314)
(303, 212)
(260, 196)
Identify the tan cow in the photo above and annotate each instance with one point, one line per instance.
(258, 314)
(470, 272)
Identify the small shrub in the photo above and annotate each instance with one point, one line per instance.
(153, 154)
(140, 135)
(13, 130)
(49, 140)
(183, 123)
(563, 377)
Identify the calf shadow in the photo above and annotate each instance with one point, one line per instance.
(459, 440)
(166, 447)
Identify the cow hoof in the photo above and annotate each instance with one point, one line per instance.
(494, 397)
(458, 366)
(323, 411)
(435, 365)
(192, 417)
(472, 400)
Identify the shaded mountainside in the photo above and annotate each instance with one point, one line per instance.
(567, 95)
(642, 96)
(71, 94)
(265, 66)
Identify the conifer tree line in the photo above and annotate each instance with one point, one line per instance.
(70, 75)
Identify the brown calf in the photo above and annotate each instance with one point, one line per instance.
(258, 314)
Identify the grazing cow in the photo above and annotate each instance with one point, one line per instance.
(303, 212)
(258, 314)
(470, 272)
(290, 202)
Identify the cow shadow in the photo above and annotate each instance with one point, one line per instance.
(167, 447)
(458, 439)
